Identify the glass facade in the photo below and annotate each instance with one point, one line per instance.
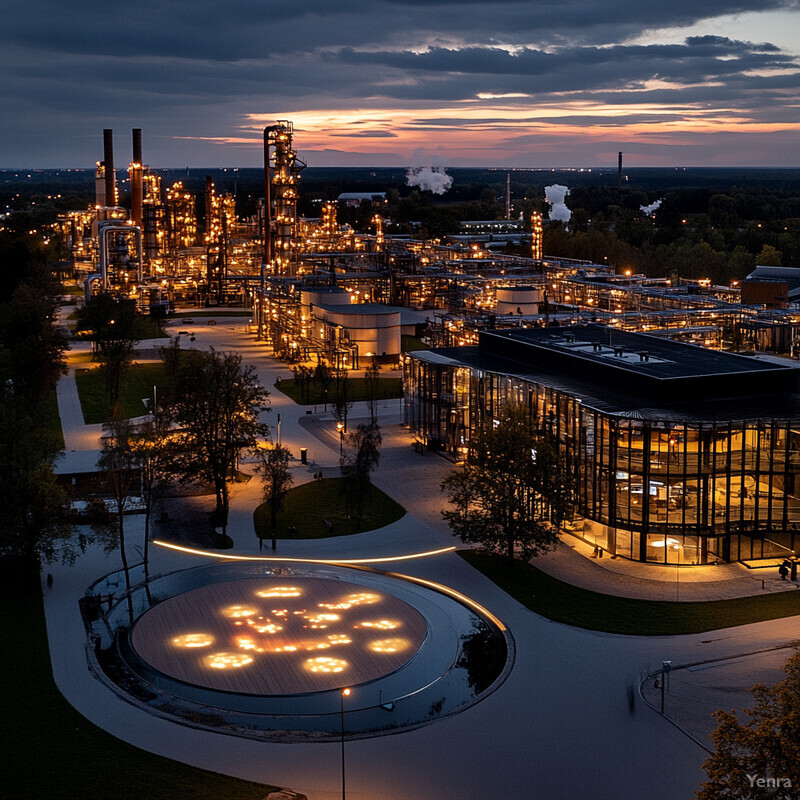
(657, 490)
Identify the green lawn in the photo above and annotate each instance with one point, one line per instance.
(209, 312)
(308, 505)
(50, 750)
(572, 605)
(149, 328)
(136, 384)
(52, 421)
(410, 343)
(356, 390)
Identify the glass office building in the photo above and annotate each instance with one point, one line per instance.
(681, 455)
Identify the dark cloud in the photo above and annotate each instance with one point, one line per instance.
(196, 68)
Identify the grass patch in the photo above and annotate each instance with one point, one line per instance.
(410, 343)
(51, 420)
(136, 384)
(209, 312)
(71, 289)
(50, 750)
(307, 506)
(582, 608)
(149, 328)
(388, 388)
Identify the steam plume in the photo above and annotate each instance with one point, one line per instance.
(555, 196)
(652, 208)
(431, 179)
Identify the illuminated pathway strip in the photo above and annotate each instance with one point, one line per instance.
(384, 560)
(438, 586)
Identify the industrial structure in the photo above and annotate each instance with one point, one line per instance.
(173, 248)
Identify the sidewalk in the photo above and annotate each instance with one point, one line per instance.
(694, 692)
(572, 563)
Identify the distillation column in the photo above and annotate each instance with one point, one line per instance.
(282, 170)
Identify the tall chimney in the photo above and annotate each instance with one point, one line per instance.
(508, 195)
(619, 170)
(108, 161)
(136, 178)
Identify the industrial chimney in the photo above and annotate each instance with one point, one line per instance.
(619, 170)
(135, 173)
(108, 163)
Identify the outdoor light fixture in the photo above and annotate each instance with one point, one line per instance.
(344, 693)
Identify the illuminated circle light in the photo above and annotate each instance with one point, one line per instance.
(362, 599)
(321, 620)
(265, 627)
(388, 645)
(381, 625)
(193, 640)
(227, 660)
(238, 612)
(326, 664)
(280, 591)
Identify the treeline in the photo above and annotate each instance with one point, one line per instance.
(31, 361)
(692, 233)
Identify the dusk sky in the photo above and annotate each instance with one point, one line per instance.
(516, 83)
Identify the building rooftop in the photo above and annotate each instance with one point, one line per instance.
(697, 383)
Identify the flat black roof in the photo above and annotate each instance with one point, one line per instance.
(750, 389)
(640, 353)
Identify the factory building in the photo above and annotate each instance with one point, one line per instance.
(681, 455)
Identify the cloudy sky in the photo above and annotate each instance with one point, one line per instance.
(512, 83)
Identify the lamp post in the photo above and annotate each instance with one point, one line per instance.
(340, 428)
(344, 693)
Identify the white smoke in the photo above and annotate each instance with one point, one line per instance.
(429, 179)
(555, 196)
(652, 208)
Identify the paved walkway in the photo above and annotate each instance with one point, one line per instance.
(544, 732)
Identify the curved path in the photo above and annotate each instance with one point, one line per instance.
(566, 723)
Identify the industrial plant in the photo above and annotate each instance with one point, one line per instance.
(708, 471)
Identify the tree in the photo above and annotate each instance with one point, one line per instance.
(342, 403)
(769, 256)
(153, 448)
(33, 506)
(372, 384)
(112, 323)
(512, 493)
(759, 758)
(216, 402)
(274, 469)
(33, 522)
(357, 467)
(323, 377)
(119, 464)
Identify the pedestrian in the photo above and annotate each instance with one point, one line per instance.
(783, 570)
(49, 580)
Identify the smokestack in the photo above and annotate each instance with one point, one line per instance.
(108, 161)
(136, 178)
(619, 170)
(508, 195)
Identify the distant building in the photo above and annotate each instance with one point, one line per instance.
(358, 198)
(681, 455)
(773, 287)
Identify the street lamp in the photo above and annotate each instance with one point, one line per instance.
(340, 428)
(344, 693)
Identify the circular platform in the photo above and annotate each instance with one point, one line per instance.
(279, 636)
